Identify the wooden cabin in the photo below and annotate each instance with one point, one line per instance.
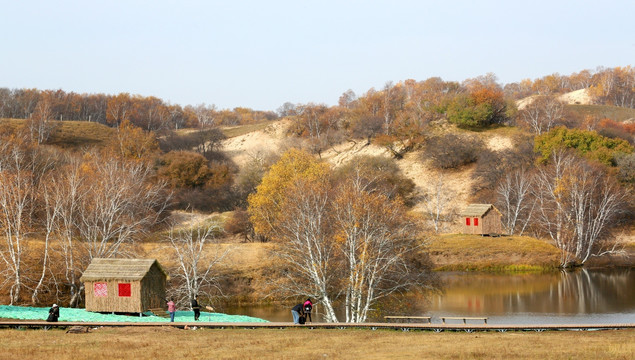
(124, 285)
(482, 219)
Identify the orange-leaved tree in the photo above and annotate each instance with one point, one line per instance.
(265, 205)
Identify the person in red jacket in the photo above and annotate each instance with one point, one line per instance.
(171, 310)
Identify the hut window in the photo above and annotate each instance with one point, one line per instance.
(467, 221)
(100, 289)
(124, 289)
(475, 221)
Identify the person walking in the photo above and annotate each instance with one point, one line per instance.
(296, 311)
(171, 310)
(307, 307)
(196, 308)
(54, 313)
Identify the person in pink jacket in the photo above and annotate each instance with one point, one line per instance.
(171, 310)
(306, 308)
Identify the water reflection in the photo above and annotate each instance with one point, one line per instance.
(585, 296)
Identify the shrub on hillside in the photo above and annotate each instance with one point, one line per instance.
(381, 174)
(617, 130)
(250, 175)
(184, 169)
(239, 224)
(366, 127)
(196, 182)
(589, 144)
(451, 151)
(466, 113)
(206, 142)
(626, 165)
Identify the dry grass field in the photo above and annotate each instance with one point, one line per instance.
(482, 253)
(69, 134)
(172, 343)
(603, 111)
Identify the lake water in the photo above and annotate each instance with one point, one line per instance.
(581, 297)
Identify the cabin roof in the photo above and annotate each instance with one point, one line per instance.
(477, 210)
(119, 269)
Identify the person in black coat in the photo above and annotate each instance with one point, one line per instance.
(54, 313)
(297, 312)
(196, 307)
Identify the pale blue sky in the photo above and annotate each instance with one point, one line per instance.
(260, 54)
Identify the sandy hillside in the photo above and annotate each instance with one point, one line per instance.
(343, 153)
(458, 183)
(577, 97)
(244, 147)
(524, 102)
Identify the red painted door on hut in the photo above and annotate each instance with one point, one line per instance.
(467, 221)
(475, 221)
(124, 290)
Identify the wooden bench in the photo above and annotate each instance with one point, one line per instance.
(409, 318)
(443, 318)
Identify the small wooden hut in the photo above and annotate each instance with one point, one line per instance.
(482, 219)
(124, 285)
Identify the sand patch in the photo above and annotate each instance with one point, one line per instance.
(577, 97)
(245, 147)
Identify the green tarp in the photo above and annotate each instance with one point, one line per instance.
(71, 314)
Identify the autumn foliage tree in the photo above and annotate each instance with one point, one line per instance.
(616, 86)
(265, 205)
(481, 105)
(345, 239)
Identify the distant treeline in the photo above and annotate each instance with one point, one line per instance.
(472, 102)
(146, 112)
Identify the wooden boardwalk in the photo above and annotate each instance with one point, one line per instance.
(22, 324)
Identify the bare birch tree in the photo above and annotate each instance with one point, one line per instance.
(377, 238)
(15, 216)
(118, 206)
(596, 201)
(41, 122)
(542, 114)
(197, 254)
(51, 210)
(306, 246)
(515, 202)
(67, 193)
(578, 204)
(110, 204)
(554, 216)
(437, 204)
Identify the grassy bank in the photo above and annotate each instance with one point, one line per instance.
(166, 343)
(460, 252)
(602, 111)
(68, 134)
(233, 131)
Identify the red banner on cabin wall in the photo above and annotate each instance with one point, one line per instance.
(100, 289)
(124, 289)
